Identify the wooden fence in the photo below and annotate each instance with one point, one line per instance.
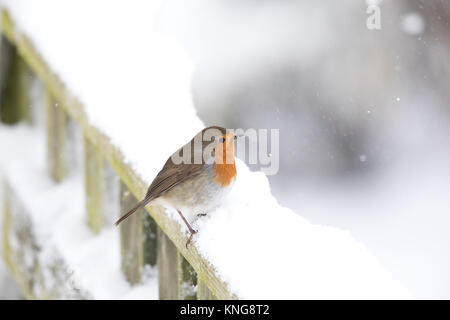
(148, 238)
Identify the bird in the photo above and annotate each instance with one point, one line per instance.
(199, 183)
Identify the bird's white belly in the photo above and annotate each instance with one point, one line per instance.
(197, 196)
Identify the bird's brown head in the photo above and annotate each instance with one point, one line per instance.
(212, 145)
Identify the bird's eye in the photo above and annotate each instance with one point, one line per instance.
(222, 140)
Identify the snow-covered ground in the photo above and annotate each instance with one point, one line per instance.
(135, 85)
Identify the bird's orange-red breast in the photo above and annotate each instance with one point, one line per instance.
(225, 170)
(199, 183)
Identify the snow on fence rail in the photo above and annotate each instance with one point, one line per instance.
(143, 237)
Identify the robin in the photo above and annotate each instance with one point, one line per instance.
(197, 184)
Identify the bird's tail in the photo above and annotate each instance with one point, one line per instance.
(140, 205)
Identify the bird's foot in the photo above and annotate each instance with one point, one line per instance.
(192, 231)
(202, 215)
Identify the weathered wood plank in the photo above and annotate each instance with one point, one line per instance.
(115, 157)
(56, 138)
(167, 268)
(15, 82)
(176, 277)
(93, 177)
(131, 238)
(137, 238)
(203, 292)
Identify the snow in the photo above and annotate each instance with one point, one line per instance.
(135, 86)
(412, 23)
(401, 211)
(265, 251)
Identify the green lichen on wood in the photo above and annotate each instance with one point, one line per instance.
(56, 138)
(94, 184)
(203, 292)
(187, 280)
(15, 82)
(150, 235)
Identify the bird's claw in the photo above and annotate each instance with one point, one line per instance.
(190, 237)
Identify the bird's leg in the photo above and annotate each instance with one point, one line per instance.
(192, 231)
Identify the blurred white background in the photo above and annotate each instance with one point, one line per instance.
(363, 114)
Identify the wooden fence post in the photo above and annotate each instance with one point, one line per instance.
(187, 280)
(15, 80)
(131, 235)
(176, 278)
(167, 267)
(56, 138)
(93, 175)
(150, 238)
(137, 238)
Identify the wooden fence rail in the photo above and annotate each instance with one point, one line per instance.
(149, 237)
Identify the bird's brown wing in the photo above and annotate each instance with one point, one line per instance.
(173, 174)
(170, 176)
